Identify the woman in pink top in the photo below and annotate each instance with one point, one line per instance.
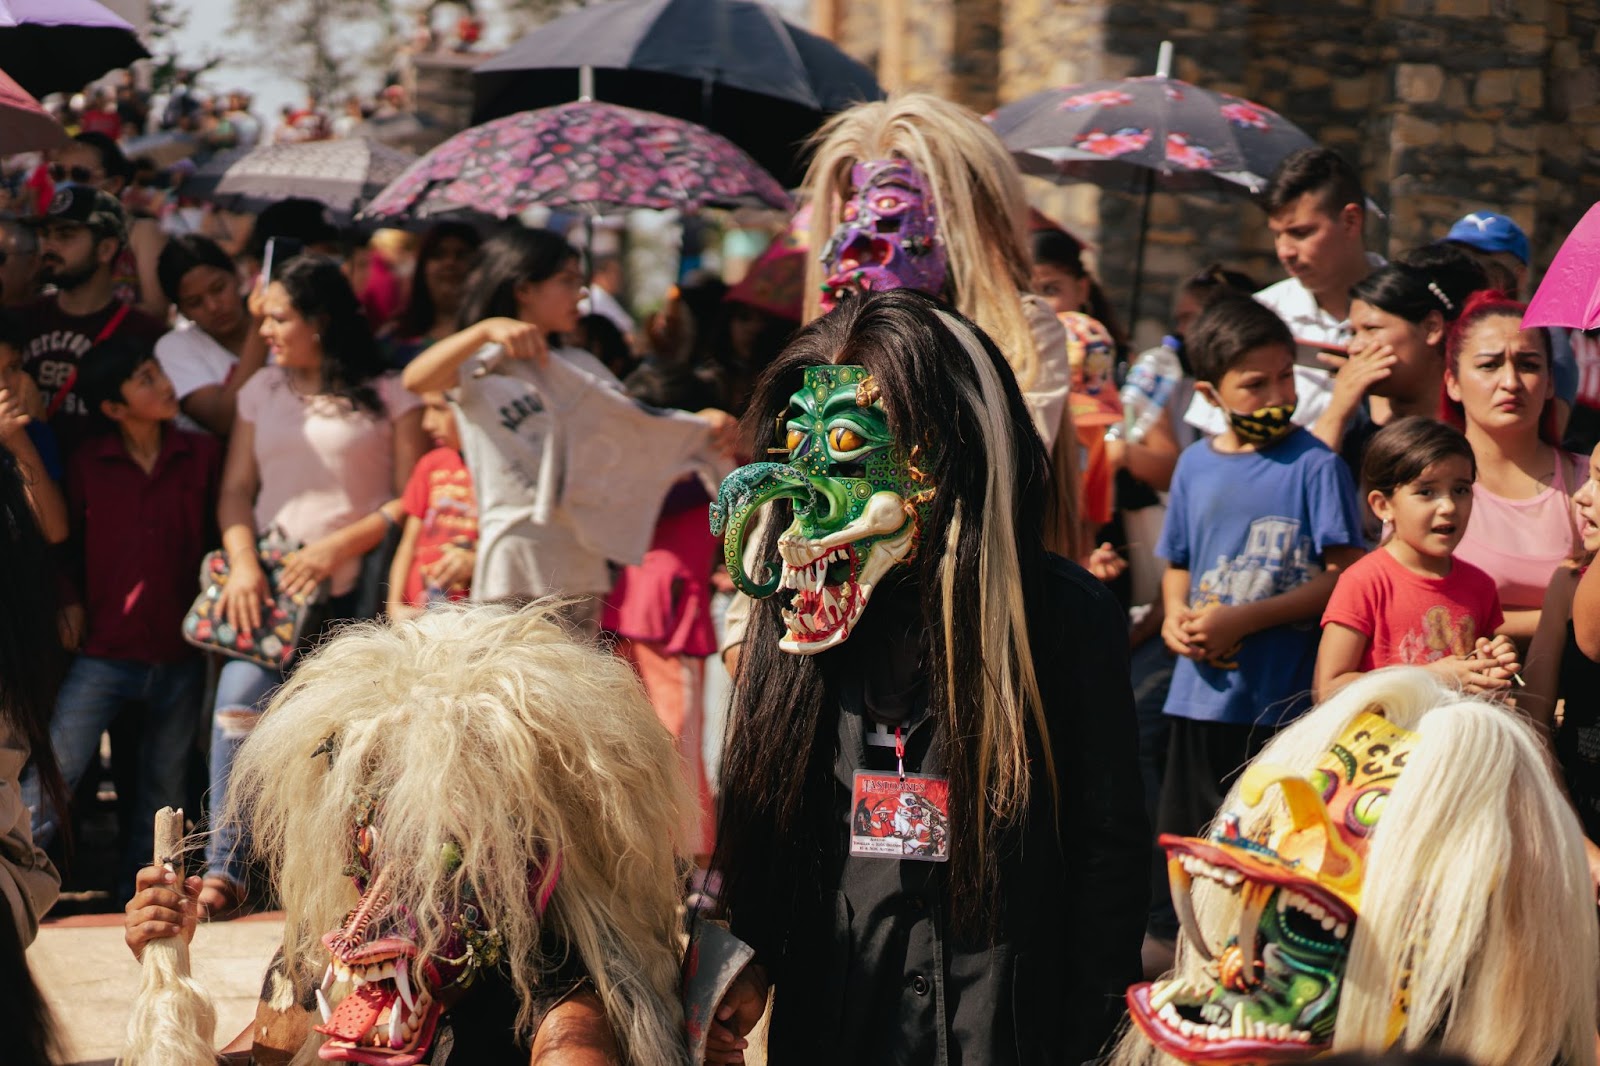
(1499, 391)
(321, 449)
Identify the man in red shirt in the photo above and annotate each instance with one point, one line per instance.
(142, 503)
(80, 237)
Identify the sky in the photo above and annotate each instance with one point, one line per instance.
(210, 22)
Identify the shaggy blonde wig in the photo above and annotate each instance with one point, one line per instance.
(977, 196)
(1476, 899)
(983, 221)
(493, 731)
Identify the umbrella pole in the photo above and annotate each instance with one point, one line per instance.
(1138, 255)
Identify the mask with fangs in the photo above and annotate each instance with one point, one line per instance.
(859, 506)
(1271, 987)
(377, 999)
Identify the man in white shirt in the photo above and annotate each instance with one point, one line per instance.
(217, 345)
(1317, 213)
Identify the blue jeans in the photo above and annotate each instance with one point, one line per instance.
(91, 696)
(243, 690)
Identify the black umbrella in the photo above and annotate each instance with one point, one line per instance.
(1148, 134)
(733, 66)
(51, 46)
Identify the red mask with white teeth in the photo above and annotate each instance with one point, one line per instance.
(376, 998)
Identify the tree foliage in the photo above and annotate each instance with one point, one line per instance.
(323, 44)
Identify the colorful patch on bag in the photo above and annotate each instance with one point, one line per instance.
(895, 817)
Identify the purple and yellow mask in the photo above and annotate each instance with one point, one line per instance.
(1271, 987)
(887, 237)
(859, 506)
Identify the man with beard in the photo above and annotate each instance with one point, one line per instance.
(80, 236)
(217, 345)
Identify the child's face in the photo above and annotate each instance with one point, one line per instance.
(1430, 513)
(1587, 501)
(147, 396)
(439, 421)
(1264, 377)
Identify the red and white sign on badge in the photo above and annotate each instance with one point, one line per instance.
(896, 816)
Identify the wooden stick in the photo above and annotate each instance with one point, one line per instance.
(169, 837)
(173, 1021)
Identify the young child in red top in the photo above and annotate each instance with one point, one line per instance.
(1410, 602)
(141, 501)
(439, 545)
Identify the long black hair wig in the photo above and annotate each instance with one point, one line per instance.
(31, 664)
(948, 391)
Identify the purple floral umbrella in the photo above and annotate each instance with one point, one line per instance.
(582, 156)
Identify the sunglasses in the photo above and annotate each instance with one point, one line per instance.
(77, 175)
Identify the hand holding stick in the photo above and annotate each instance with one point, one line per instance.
(174, 1021)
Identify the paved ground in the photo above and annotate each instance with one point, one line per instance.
(91, 979)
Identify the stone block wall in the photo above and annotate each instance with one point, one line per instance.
(1446, 106)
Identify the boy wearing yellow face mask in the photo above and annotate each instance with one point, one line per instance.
(1261, 519)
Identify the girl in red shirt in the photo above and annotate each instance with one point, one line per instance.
(1411, 602)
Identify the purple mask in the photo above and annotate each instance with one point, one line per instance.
(888, 235)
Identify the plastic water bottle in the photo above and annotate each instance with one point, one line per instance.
(1150, 382)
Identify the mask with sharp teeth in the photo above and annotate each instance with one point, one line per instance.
(859, 505)
(1272, 981)
(377, 998)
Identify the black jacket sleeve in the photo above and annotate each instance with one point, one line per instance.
(1105, 835)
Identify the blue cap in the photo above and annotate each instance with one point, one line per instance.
(1489, 232)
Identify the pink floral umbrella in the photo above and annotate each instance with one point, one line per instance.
(585, 156)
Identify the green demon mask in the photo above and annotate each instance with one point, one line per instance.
(1272, 984)
(859, 504)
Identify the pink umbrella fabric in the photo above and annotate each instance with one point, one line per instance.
(584, 156)
(1569, 295)
(24, 125)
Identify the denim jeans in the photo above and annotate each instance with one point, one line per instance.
(243, 690)
(92, 694)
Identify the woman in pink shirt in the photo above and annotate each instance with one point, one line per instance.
(1499, 391)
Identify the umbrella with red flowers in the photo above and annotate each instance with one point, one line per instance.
(581, 156)
(1147, 134)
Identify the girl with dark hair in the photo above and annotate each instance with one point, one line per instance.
(1499, 391)
(322, 447)
(928, 683)
(217, 345)
(1411, 603)
(1399, 315)
(1059, 275)
(444, 260)
(31, 663)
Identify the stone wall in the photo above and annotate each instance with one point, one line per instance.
(1446, 106)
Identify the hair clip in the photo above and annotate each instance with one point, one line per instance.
(1433, 287)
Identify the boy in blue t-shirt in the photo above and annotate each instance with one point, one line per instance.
(1260, 521)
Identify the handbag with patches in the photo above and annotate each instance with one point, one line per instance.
(285, 620)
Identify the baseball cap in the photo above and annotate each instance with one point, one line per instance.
(1489, 232)
(87, 206)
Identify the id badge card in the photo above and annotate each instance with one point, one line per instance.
(900, 817)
